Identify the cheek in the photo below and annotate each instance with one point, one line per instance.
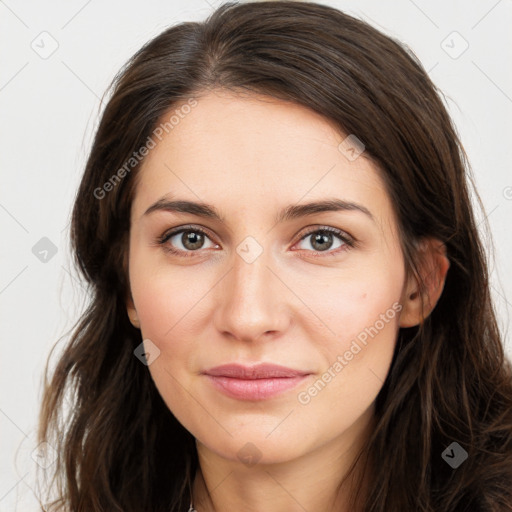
(362, 313)
(166, 300)
(166, 305)
(369, 316)
(359, 305)
(356, 366)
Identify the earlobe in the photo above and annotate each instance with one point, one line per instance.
(132, 313)
(434, 264)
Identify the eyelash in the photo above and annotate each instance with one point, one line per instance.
(349, 241)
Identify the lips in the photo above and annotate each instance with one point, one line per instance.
(257, 382)
(259, 371)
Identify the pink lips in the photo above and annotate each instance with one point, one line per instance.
(254, 382)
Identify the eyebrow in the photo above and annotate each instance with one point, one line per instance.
(289, 213)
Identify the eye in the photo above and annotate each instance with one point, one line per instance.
(187, 240)
(322, 239)
(184, 241)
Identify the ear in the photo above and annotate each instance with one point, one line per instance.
(130, 306)
(433, 267)
(132, 313)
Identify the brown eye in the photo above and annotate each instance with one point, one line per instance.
(185, 241)
(324, 239)
(192, 240)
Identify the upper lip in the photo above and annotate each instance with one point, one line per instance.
(258, 371)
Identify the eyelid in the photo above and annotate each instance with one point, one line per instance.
(186, 227)
(322, 227)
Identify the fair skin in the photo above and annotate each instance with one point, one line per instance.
(298, 304)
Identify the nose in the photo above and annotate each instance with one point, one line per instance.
(252, 300)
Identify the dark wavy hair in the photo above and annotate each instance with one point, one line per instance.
(119, 447)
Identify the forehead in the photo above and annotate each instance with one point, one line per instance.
(252, 150)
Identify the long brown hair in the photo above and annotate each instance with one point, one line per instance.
(120, 448)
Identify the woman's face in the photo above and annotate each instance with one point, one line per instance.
(264, 283)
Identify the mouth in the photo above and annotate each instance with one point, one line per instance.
(259, 382)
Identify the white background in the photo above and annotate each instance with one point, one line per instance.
(49, 110)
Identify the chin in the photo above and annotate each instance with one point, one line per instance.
(253, 447)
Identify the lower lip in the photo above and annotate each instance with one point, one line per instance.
(255, 389)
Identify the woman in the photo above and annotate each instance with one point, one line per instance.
(290, 304)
